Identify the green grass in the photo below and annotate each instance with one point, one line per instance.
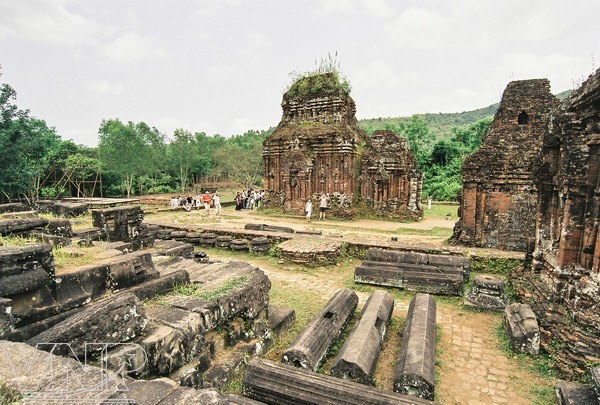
(8, 395)
(541, 366)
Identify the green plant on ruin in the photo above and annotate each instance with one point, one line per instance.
(325, 78)
(222, 290)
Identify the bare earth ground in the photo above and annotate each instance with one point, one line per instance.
(471, 367)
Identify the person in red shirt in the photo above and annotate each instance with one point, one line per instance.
(206, 200)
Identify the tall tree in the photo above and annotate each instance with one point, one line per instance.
(25, 143)
(125, 148)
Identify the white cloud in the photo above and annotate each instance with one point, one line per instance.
(132, 47)
(104, 88)
(326, 7)
(47, 22)
(378, 8)
(377, 73)
(258, 40)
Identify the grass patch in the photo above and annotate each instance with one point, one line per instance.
(196, 290)
(9, 395)
(541, 366)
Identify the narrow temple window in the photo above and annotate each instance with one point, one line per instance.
(523, 118)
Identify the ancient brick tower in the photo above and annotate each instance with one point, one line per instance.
(499, 197)
(314, 147)
(563, 282)
(390, 178)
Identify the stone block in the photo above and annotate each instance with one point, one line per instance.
(487, 293)
(119, 318)
(280, 319)
(357, 358)
(131, 269)
(522, 329)
(161, 285)
(414, 373)
(150, 392)
(173, 248)
(91, 234)
(570, 393)
(26, 332)
(189, 396)
(308, 350)
(52, 240)
(59, 227)
(7, 320)
(21, 226)
(119, 223)
(12, 207)
(276, 383)
(68, 209)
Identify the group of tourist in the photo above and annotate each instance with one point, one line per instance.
(205, 200)
(323, 201)
(249, 199)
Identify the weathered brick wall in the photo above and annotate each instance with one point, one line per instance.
(563, 282)
(390, 179)
(498, 198)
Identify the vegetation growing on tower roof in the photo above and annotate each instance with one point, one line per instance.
(324, 79)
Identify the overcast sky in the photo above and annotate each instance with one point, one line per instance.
(221, 66)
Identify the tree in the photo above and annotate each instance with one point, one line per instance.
(127, 149)
(183, 155)
(241, 165)
(25, 143)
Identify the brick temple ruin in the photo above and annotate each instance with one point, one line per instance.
(534, 186)
(318, 147)
(499, 197)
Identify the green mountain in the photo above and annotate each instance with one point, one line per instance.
(440, 124)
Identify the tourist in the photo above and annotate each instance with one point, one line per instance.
(308, 209)
(323, 206)
(198, 201)
(206, 200)
(174, 202)
(429, 199)
(217, 203)
(238, 201)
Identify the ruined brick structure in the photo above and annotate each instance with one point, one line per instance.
(316, 148)
(499, 197)
(563, 283)
(390, 178)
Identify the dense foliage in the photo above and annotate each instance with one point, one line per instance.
(440, 155)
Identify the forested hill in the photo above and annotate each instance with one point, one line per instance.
(440, 124)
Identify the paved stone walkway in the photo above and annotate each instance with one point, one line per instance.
(472, 370)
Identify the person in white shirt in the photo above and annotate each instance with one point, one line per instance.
(308, 209)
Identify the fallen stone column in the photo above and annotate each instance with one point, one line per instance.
(21, 225)
(311, 346)
(414, 373)
(357, 358)
(522, 329)
(280, 384)
(412, 277)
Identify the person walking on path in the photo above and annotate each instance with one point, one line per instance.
(323, 206)
(217, 203)
(206, 200)
(429, 199)
(308, 209)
